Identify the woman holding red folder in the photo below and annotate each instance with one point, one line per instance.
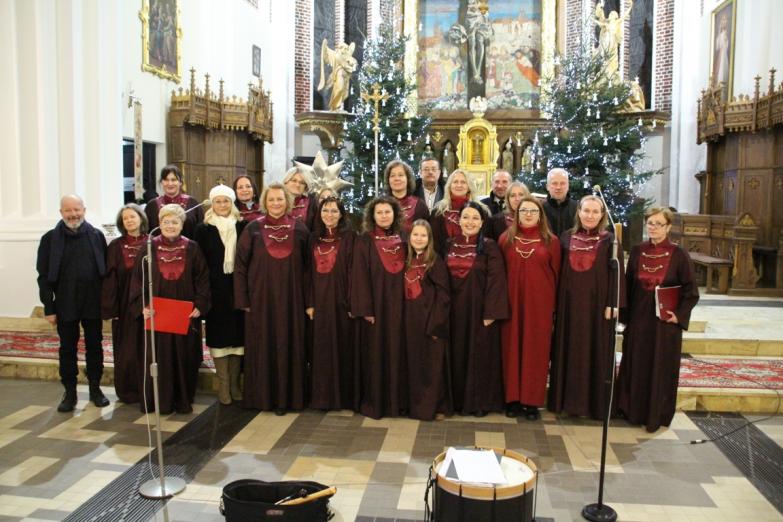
(179, 272)
(650, 368)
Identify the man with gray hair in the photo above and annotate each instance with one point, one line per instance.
(429, 186)
(496, 201)
(71, 265)
(559, 208)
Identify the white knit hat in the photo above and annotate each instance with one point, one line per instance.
(222, 190)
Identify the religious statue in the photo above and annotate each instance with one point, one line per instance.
(611, 35)
(449, 160)
(507, 158)
(343, 65)
(476, 30)
(636, 101)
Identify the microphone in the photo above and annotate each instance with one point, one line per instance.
(618, 229)
(207, 203)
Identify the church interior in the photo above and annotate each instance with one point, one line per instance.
(97, 97)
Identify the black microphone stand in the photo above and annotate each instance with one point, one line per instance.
(164, 487)
(600, 512)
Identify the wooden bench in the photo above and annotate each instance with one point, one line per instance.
(711, 264)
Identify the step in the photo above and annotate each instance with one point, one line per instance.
(735, 347)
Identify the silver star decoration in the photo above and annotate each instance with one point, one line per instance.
(322, 175)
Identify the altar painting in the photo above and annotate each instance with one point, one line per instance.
(510, 66)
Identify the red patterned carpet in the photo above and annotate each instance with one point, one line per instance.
(704, 372)
(45, 346)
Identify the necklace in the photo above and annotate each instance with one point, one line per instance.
(387, 238)
(651, 269)
(278, 239)
(526, 241)
(655, 256)
(277, 227)
(318, 249)
(391, 250)
(523, 254)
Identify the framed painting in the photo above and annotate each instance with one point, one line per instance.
(500, 50)
(161, 38)
(722, 46)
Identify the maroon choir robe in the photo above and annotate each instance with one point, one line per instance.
(498, 224)
(378, 290)
(126, 327)
(650, 368)
(413, 208)
(478, 292)
(335, 357)
(270, 278)
(532, 270)
(304, 210)
(179, 271)
(583, 347)
(249, 212)
(426, 339)
(185, 201)
(444, 227)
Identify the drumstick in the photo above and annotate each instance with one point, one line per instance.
(328, 492)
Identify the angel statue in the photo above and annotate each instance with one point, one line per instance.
(610, 35)
(343, 65)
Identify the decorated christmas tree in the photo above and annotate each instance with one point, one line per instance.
(592, 134)
(403, 134)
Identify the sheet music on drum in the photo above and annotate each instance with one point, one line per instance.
(476, 466)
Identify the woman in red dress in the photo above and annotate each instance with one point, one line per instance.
(377, 295)
(247, 198)
(171, 182)
(426, 325)
(126, 328)
(270, 273)
(445, 220)
(400, 183)
(303, 209)
(583, 348)
(532, 256)
(650, 368)
(179, 271)
(479, 298)
(335, 358)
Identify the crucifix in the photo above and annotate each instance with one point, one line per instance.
(375, 97)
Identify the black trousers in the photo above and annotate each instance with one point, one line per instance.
(69, 338)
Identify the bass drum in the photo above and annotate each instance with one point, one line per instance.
(454, 501)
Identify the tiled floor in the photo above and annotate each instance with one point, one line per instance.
(51, 463)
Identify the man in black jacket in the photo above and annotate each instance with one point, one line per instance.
(71, 264)
(496, 201)
(560, 209)
(429, 185)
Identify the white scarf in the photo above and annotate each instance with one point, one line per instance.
(227, 228)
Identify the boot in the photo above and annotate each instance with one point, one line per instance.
(96, 395)
(68, 402)
(234, 367)
(221, 368)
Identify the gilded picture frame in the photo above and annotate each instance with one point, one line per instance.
(722, 39)
(161, 38)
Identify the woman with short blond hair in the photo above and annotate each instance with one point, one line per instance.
(270, 271)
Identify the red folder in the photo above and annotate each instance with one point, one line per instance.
(171, 315)
(667, 298)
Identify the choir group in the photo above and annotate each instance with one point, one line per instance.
(434, 307)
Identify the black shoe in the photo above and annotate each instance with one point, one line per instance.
(97, 397)
(481, 413)
(512, 410)
(531, 413)
(279, 412)
(68, 403)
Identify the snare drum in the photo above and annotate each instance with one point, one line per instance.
(453, 501)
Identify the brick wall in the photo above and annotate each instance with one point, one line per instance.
(664, 54)
(302, 58)
(573, 24)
